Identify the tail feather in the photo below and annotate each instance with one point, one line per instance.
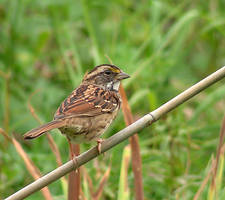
(36, 132)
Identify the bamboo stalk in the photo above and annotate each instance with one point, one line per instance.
(122, 135)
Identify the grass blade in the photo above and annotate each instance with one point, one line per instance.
(91, 30)
(124, 192)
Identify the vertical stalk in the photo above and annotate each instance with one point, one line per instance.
(74, 177)
(135, 148)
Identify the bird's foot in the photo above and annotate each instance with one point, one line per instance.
(99, 145)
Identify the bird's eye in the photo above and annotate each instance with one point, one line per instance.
(108, 72)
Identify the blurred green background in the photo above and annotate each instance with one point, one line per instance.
(166, 46)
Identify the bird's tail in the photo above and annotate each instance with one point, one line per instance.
(36, 132)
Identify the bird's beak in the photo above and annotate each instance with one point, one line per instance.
(122, 76)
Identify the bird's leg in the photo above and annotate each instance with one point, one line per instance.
(71, 149)
(99, 145)
(73, 157)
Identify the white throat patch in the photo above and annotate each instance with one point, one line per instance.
(113, 86)
(116, 85)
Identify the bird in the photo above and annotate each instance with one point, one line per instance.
(89, 110)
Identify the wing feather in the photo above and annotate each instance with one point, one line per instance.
(88, 100)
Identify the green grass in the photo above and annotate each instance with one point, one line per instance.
(166, 46)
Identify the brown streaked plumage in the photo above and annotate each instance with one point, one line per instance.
(88, 111)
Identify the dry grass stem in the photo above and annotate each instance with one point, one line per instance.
(205, 181)
(51, 142)
(5, 135)
(215, 162)
(31, 168)
(89, 181)
(98, 193)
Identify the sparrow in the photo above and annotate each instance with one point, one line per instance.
(89, 110)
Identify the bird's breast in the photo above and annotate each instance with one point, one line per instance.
(84, 130)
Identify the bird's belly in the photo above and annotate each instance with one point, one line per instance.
(73, 133)
(83, 130)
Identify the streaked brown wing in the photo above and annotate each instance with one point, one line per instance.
(88, 100)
